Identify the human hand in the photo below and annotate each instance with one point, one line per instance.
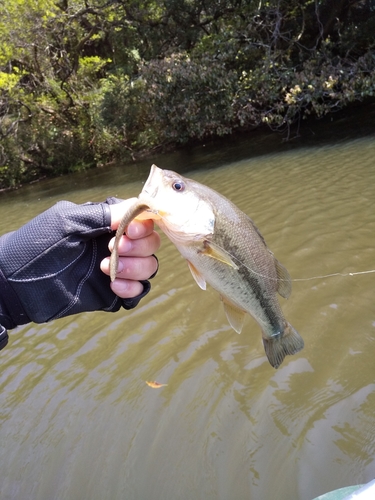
(51, 266)
(136, 250)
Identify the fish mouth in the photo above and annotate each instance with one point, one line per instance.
(148, 197)
(150, 213)
(149, 194)
(151, 186)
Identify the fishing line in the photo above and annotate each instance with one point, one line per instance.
(334, 274)
(323, 276)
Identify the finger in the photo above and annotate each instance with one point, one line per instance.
(142, 247)
(126, 289)
(132, 268)
(139, 229)
(118, 210)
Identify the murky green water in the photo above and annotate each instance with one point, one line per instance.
(77, 419)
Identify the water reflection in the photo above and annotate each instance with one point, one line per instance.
(78, 420)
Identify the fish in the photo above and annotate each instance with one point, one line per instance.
(223, 248)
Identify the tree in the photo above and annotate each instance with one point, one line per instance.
(82, 81)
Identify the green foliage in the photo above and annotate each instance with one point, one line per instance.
(9, 80)
(84, 82)
(191, 99)
(173, 100)
(123, 114)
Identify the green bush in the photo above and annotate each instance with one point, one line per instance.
(172, 100)
(83, 83)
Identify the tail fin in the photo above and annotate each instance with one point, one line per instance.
(289, 342)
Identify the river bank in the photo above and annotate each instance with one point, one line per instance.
(352, 122)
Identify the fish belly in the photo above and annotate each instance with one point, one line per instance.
(240, 295)
(239, 288)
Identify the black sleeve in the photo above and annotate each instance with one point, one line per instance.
(50, 267)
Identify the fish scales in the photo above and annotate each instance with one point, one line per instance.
(224, 248)
(246, 286)
(236, 232)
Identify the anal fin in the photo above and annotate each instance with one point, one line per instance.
(235, 315)
(284, 282)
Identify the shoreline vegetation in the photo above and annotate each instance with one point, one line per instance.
(87, 83)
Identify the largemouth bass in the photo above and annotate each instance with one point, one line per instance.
(223, 248)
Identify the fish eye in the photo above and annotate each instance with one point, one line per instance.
(178, 186)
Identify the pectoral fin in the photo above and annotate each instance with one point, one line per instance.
(201, 282)
(215, 252)
(284, 282)
(235, 316)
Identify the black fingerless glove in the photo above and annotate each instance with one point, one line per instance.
(50, 267)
